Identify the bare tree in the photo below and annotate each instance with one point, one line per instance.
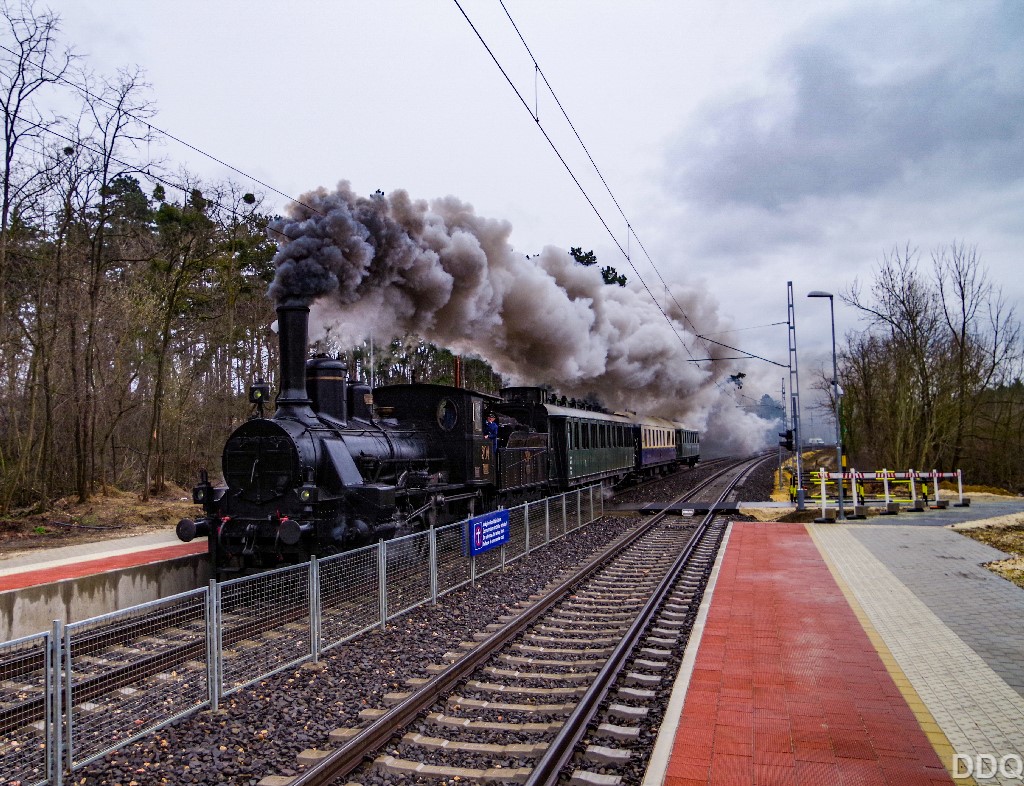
(983, 333)
(938, 343)
(30, 59)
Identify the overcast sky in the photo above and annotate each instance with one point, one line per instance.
(748, 143)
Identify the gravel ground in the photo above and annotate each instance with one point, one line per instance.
(259, 730)
(758, 486)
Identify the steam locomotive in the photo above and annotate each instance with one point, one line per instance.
(339, 466)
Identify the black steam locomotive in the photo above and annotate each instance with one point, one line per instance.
(339, 466)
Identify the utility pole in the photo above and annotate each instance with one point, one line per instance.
(794, 385)
(783, 426)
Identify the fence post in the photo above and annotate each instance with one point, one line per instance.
(885, 485)
(55, 715)
(565, 518)
(853, 488)
(526, 523)
(935, 485)
(960, 486)
(212, 644)
(314, 608)
(547, 520)
(913, 490)
(824, 494)
(382, 580)
(579, 501)
(432, 557)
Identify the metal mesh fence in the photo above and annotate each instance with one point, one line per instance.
(349, 595)
(538, 515)
(264, 625)
(572, 511)
(452, 563)
(125, 674)
(516, 546)
(130, 672)
(488, 561)
(591, 498)
(408, 573)
(24, 688)
(556, 517)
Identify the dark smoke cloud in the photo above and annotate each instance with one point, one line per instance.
(389, 266)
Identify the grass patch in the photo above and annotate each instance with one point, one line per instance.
(1006, 536)
(112, 515)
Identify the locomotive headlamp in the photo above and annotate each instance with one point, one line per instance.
(308, 494)
(259, 391)
(202, 494)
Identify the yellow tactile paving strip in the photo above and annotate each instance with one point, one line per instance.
(931, 729)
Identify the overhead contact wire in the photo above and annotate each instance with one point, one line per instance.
(89, 94)
(604, 182)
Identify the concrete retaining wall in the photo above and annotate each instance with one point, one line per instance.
(33, 609)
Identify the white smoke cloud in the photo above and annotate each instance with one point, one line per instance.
(392, 266)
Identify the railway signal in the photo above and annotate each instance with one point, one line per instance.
(787, 439)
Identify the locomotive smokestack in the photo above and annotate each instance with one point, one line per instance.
(293, 335)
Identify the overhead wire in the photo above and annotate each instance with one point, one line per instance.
(161, 179)
(92, 96)
(629, 227)
(89, 94)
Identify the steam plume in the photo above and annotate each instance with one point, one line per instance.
(391, 265)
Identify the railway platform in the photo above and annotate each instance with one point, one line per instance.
(851, 654)
(84, 580)
(42, 566)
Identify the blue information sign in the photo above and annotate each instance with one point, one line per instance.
(485, 532)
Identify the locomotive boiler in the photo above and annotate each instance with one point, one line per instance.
(329, 471)
(337, 466)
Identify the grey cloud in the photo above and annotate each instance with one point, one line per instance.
(867, 102)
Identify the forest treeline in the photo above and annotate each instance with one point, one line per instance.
(134, 313)
(933, 381)
(133, 305)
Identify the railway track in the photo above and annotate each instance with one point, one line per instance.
(558, 690)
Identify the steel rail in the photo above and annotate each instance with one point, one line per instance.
(352, 753)
(548, 768)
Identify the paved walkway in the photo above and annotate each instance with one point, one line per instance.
(787, 687)
(955, 629)
(43, 566)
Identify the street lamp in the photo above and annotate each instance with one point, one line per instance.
(839, 398)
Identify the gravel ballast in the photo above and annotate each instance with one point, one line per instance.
(260, 730)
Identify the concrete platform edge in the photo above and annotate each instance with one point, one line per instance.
(657, 767)
(943, 748)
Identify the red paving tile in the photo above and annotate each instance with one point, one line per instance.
(87, 567)
(787, 688)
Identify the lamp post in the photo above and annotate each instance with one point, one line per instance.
(839, 397)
